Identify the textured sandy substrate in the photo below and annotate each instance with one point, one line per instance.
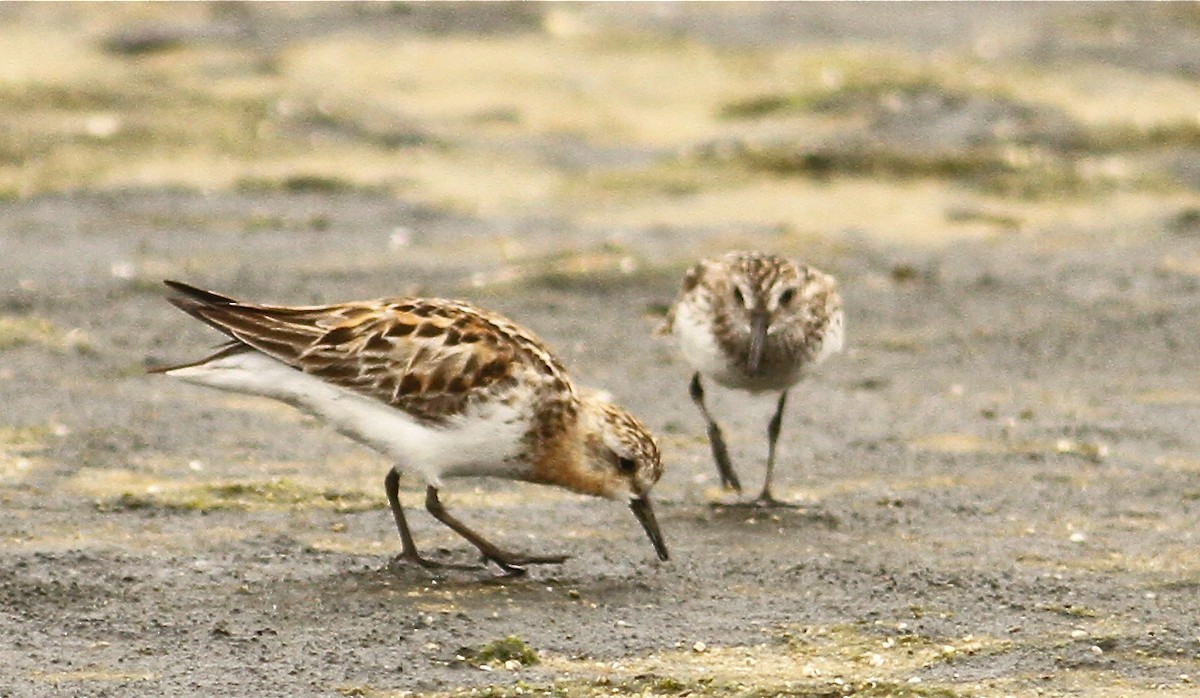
(1001, 471)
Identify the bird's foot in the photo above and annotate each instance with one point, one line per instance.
(763, 501)
(730, 482)
(414, 559)
(513, 564)
(767, 501)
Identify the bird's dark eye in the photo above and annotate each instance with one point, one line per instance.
(626, 465)
(787, 296)
(738, 297)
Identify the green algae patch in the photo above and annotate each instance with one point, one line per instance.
(241, 496)
(1017, 171)
(963, 443)
(307, 184)
(907, 124)
(885, 653)
(24, 438)
(842, 96)
(651, 685)
(27, 330)
(816, 661)
(19, 447)
(510, 652)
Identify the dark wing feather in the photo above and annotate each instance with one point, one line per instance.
(198, 294)
(427, 357)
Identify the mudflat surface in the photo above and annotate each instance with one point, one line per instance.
(999, 478)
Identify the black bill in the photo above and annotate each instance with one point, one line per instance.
(758, 339)
(643, 512)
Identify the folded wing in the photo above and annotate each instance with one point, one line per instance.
(428, 357)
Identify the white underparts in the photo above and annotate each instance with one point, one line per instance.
(693, 331)
(486, 440)
(835, 337)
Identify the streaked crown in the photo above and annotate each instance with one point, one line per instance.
(747, 282)
(620, 448)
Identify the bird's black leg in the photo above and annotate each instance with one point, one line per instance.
(720, 453)
(766, 499)
(511, 563)
(391, 485)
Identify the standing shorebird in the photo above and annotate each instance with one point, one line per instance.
(754, 322)
(443, 388)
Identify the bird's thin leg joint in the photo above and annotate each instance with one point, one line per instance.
(716, 440)
(408, 553)
(766, 499)
(511, 563)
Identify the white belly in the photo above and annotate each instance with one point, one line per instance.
(486, 440)
(697, 343)
(835, 337)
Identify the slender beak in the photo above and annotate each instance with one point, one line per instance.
(643, 512)
(759, 320)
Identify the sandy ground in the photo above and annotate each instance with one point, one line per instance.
(1000, 476)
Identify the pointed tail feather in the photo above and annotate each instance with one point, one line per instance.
(268, 329)
(194, 301)
(198, 294)
(227, 349)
